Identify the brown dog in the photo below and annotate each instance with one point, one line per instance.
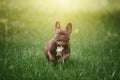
(58, 48)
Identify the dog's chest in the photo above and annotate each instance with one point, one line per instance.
(59, 50)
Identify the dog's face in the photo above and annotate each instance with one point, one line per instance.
(62, 36)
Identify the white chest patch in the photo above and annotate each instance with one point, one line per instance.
(59, 51)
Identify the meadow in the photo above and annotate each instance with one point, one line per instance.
(26, 28)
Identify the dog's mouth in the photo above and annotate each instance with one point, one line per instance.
(61, 43)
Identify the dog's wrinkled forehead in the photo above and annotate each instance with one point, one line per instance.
(62, 32)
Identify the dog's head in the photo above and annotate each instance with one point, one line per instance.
(62, 36)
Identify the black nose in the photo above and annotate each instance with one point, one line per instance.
(62, 37)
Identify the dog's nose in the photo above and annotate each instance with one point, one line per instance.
(62, 37)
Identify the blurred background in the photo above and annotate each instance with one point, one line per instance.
(26, 19)
(27, 25)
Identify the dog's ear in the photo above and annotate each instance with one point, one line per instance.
(69, 28)
(57, 26)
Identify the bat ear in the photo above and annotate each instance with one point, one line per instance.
(69, 28)
(57, 26)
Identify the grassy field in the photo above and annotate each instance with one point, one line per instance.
(95, 44)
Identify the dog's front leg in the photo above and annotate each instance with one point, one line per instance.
(64, 57)
(51, 57)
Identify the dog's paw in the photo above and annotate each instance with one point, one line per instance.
(61, 60)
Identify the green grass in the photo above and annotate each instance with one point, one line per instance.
(95, 43)
(94, 56)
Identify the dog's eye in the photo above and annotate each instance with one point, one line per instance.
(57, 38)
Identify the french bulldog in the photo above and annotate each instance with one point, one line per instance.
(58, 48)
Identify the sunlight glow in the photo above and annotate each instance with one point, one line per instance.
(70, 5)
(63, 3)
(52, 6)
